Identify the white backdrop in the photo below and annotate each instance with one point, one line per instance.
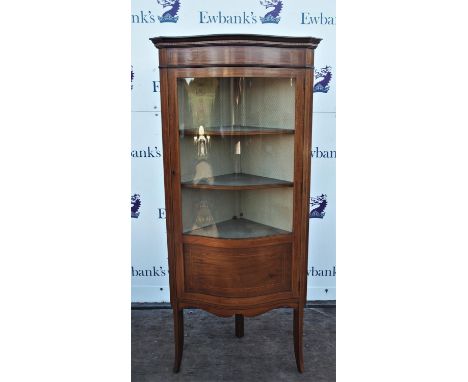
(149, 268)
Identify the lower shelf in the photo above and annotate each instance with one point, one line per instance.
(237, 229)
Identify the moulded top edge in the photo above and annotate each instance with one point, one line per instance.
(235, 39)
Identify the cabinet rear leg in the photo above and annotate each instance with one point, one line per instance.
(239, 325)
(178, 338)
(298, 345)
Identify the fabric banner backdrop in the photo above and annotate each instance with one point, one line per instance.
(151, 18)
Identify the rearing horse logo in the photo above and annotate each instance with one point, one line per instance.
(170, 16)
(325, 76)
(318, 203)
(136, 203)
(272, 17)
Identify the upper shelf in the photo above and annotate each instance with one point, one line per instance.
(237, 130)
(237, 182)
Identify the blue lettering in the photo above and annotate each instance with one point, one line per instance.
(321, 19)
(202, 16)
(155, 86)
(220, 18)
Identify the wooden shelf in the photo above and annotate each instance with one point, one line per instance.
(237, 229)
(239, 181)
(237, 130)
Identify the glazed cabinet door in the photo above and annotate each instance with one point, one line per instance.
(236, 180)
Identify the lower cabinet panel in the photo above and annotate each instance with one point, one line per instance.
(237, 272)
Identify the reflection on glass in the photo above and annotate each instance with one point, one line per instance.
(202, 142)
(236, 155)
(237, 214)
(204, 219)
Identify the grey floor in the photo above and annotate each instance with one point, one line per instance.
(213, 353)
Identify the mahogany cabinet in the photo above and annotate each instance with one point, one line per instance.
(236, 122)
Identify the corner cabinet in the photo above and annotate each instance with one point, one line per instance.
(236, 122)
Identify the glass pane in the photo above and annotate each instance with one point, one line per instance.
(237, 214)
(236, 155)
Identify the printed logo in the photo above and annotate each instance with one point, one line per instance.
(150, 152)
(154, 272)
(220, 18)
(161, 213)
(325, 77)
(136, 203)
(314, 272)
(272, 17)
(155, 86)
(327, 154)
(143, 18)
(132, 75)
(318, 205)
(307, 19)
(170, 16)
(247, 17)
